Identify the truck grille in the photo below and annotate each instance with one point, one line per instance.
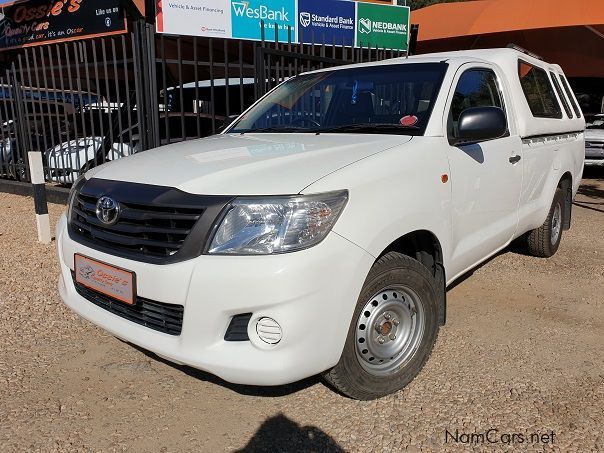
(142, 229)
(165, 318)
(155, 224)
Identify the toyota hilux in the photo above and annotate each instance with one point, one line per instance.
(317, 234)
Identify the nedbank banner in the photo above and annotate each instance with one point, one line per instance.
(382, 26)
(33, 22)
(337, 22)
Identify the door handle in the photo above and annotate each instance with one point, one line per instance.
(515, 159)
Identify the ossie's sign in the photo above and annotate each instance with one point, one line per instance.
(35, 22)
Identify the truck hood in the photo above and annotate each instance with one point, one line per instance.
(250, 164)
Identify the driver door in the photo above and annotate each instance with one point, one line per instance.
(486, 177)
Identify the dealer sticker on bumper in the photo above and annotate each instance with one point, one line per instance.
(106, 279)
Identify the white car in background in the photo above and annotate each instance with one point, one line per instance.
(69, 160)
(594, 140)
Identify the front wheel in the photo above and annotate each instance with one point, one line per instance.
(393, 330)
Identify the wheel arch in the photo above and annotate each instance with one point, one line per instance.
(425, 247)
(566, 185)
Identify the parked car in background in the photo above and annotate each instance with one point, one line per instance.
(67, 161)
(42, 131)
(48, 119)
(206, 96)
(594, 140)
(319, 231)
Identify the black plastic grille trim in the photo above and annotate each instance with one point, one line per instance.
(237, 330)
(159, 225)
(141, 229)
(162, 317)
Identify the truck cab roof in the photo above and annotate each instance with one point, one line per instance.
(508, 64)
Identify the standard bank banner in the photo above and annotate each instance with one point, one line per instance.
(339, 22)
(326, 22)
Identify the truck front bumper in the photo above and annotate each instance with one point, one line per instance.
(311, 294)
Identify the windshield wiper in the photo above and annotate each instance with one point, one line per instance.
(369, 127)
(273, 129)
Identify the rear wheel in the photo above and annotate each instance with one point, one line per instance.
(544, 241)
(393, 330)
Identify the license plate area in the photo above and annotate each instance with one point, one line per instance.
(105, 278)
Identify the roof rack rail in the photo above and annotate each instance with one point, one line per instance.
(524, 51)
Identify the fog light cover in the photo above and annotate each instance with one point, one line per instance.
(269, 330)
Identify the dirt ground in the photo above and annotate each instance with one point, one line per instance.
(521, 354)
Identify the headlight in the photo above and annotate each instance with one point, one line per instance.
(75, 188)
(263, 226)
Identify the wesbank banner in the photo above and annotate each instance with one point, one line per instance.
(247, 16)
(320, 21)
(328, 22)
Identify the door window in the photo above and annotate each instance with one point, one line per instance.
(476, 88)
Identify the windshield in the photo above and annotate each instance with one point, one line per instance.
(377, 99)
(594, 122)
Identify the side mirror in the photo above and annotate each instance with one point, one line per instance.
(227, 122)
(478, 124)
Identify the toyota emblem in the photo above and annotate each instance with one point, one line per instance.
(107, 210)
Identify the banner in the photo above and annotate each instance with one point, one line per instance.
(247, 16)
(381, 2)
(328, 22)
(195, 17)
(382, 26)
(40, 21)
(320, 21)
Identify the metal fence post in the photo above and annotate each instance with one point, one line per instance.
(40, 204)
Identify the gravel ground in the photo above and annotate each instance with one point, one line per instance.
(521, 354)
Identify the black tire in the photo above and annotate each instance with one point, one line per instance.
(543, 242)
(390, 271)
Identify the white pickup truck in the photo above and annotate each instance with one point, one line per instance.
(319, 231)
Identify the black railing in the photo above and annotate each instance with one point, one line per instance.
(83, 103)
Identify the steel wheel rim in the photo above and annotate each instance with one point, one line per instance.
(556, 224)
(389, 330)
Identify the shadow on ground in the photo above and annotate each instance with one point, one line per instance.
(592, 190)
(248, 390)
(596, 173)
(281, 434)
